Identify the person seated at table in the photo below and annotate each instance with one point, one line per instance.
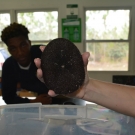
(20, 67)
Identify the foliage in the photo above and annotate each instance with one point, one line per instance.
(42, 25)
(107, 25)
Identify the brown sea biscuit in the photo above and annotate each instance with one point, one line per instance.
(62, 66)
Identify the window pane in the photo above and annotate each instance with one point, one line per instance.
(42, 25)
(4, 54)
(107, 24)
(112, 56)
(4, 21)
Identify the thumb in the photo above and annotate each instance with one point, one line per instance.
(85, 57)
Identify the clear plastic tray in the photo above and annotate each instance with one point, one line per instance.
(37, 119)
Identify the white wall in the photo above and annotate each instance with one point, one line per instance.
(82, 4)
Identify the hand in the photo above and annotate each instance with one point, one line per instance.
(43, 98)
(81, 91)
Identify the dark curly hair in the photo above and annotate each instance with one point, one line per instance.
(14, 30)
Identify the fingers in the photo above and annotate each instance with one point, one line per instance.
(42, 48)
(39, 71)
(37, 62)
(85, 57)
(52, 93)
(40, 75)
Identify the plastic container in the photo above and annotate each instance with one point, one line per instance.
(37, 119)
(63, 111)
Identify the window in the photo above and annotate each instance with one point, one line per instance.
(43, 26)
(4, 21)
(107, 39)
(4, 54)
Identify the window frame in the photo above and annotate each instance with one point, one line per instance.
(109, 40)
(38, 10)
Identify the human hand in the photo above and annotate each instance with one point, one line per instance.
(43, 98)
(78, 93)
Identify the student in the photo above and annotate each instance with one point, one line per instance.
(120, 98)
(20, 67)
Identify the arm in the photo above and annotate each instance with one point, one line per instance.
(9, 84)
(9, 88)
(120, 98)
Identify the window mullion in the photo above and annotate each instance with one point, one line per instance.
(97, 41)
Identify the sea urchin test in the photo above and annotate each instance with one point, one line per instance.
(62, 66)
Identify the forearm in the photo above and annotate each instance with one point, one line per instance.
(116, 97)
